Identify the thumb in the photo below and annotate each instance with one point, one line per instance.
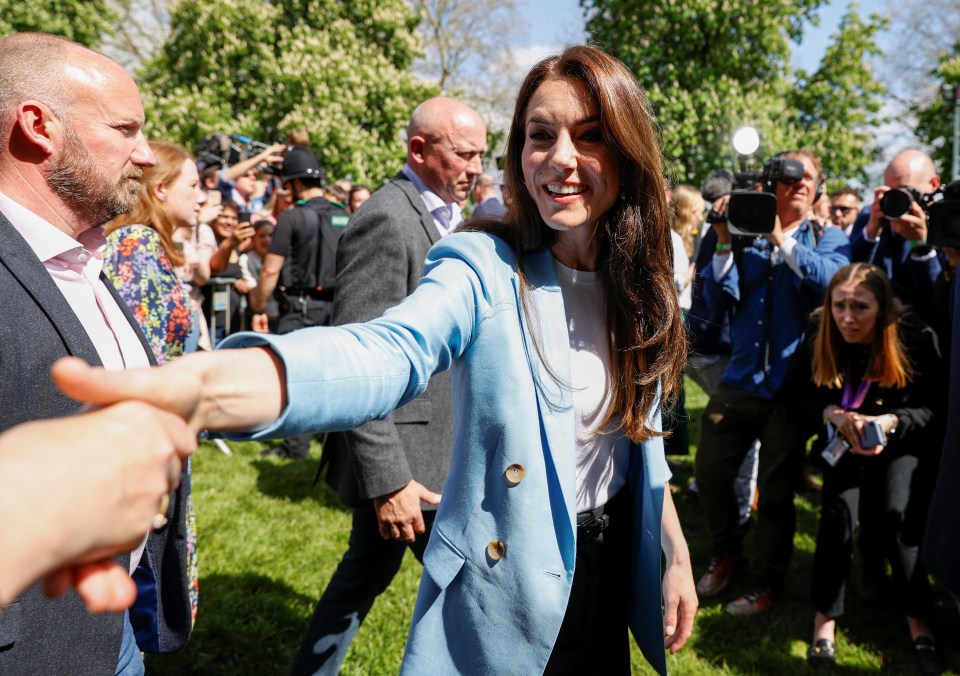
(87, 384)
(430, 497)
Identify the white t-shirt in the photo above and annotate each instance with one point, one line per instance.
(602, 459)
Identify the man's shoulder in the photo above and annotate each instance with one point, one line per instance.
(396, 192)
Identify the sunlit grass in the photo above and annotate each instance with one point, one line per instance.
(269, 542)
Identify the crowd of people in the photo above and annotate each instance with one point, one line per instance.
(504, 379)
(831, 327)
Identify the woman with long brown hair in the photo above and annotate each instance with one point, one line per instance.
(561, 328)
(878, 368)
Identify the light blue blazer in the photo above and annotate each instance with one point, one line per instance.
(475, 614)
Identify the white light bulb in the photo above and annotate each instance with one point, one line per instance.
(746, 141)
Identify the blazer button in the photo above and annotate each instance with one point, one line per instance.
(514, 474)
(496, 550)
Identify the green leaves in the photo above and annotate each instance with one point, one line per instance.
(83, 21)
(341, 70)
(935, 119)
(711, 66)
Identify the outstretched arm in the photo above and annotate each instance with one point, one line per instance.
(228, 390)
(679, 594)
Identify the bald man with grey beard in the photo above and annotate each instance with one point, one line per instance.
(392, 471)
(71, 157)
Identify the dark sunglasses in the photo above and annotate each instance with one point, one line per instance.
(843, 210)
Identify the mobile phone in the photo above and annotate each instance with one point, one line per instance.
(835, 450)
(244, 216)
(873, 435)
(214, 198)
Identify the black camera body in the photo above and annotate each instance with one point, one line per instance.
(751, 213)
(896, 202)
(943, 218)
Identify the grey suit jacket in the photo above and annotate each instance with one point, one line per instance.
(379, 263)
(37, 327)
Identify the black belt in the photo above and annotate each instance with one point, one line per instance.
(315, 294)
(592, 523)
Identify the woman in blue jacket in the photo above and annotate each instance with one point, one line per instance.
(562, 331)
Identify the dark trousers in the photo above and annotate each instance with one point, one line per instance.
(365, 571)
(301, 312)
(898, 483)
(731, 422)
(593, 638)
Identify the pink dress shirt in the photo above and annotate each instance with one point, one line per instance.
(74, 265)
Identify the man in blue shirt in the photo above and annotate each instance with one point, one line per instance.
(771, 283)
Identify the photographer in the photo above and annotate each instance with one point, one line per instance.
(898, 245)
(771, 282)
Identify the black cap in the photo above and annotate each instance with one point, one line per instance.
(301, 163)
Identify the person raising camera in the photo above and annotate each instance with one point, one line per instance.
(771, 282)
(892, 234)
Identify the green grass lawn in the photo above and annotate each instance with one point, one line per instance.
(269, 542)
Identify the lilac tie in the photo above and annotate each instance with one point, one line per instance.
(443, 215)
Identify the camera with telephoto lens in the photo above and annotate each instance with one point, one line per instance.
(896, 202)
(751, 213)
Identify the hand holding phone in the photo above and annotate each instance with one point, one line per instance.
(872, 435)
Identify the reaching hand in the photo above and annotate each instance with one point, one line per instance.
(399, 512)
(86, 488)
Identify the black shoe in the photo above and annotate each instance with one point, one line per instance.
(822, 655)
(928, 658)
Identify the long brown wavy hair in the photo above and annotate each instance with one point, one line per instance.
(149, 210)
(649, 347)
(887, 364)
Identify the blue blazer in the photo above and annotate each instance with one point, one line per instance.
(476, 614)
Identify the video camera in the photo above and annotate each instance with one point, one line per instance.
(228, 149)
(750, 212)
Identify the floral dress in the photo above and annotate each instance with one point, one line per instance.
(135, 263)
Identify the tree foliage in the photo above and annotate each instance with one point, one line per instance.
(935, 119)
(83, 21)
(711, 66)
(837, 108)
(340, 69)
(468, 48)
(140, 30)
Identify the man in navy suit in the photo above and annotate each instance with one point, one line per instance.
(71, 157)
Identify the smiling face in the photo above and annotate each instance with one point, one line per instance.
(855, 310)
(568, 168)
(225, 222)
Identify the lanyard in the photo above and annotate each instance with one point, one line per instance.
(851, 402)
